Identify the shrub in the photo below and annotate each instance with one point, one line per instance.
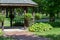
(2, 17)
(37, 16)
(19, 21)
(28, 16)
(18, 18)
(40, 27)
(28, 19)
(18, 24)
(1, 32)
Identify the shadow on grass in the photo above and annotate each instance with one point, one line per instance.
(5, 38)
(52, 37)
(23, 37)
(55, 24)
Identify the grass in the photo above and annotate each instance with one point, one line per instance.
(6, 22)
(1, 33)
(55, 31)
(6, 38)
(53, 34)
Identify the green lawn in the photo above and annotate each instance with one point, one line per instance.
(54, 34)
(6, 22)
(6, 38)
(55, 31)
(1, 33)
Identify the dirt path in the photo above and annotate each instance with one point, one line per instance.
(24, 35)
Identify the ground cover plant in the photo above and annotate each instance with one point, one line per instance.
(40, 27)
(53, 34)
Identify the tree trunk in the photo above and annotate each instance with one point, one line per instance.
(11, 22)
(52, 17)
(2, 25)
(3, 11)
(33, 14)
(26, 24)
(6, 13)
(46, 14)
(11, 16)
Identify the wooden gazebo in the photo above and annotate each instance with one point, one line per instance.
(12, 4)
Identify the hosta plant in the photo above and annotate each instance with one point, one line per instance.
(40, 27)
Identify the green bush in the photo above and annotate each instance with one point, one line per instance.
(2, 17)
(28, 16)
(19, 21)
(37, 16)
(18, 18)
(40, 27)
(1, 32)
(18, 24)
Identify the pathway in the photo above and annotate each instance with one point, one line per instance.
(17, 34)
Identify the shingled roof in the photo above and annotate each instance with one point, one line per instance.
(17, 3)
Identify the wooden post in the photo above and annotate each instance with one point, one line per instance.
(3, 11)
(25, 20)
(14, 12)
(33, 13)
(24, 17)
(6, 12)
(11, 16)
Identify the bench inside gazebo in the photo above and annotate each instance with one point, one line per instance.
(12, 4)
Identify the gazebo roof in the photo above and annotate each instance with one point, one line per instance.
(17, 3)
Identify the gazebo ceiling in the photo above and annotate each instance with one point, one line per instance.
(17, 3)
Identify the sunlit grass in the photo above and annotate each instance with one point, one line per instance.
(51, 32)
(6, 38)
(6, 22)
(1, 32)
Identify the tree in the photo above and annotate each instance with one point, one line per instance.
(49, 6)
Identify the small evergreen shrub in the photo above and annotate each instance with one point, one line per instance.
(37, 16)
(28, 16)
(28, 19)
(40, 27)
